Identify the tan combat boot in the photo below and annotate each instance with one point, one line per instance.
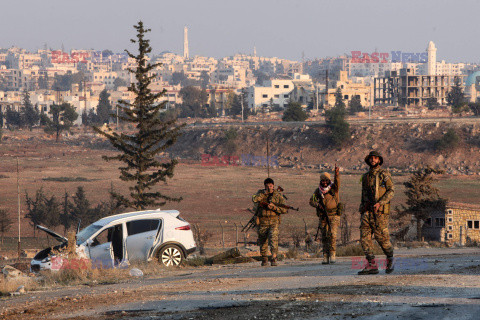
(371, 268)
(325, 258)
(273, 262)
(264, 261)
(390, 266)
(333, 258)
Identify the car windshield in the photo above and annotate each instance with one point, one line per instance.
(86, 233)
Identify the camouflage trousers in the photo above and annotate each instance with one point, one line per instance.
(378, 225)
(329, 233)
(268, 236)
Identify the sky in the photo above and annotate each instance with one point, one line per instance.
(286, 29)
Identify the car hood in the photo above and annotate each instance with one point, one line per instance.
(53, 234)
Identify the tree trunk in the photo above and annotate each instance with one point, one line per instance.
(419, 229)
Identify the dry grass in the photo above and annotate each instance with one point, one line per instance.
(69, 277)
(10, 285)
(352, 250)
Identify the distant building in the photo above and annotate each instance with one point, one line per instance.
(458, 224)
(406, 88)
(349, 90)
(274, 93)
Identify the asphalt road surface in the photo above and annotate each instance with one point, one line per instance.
(427, 284)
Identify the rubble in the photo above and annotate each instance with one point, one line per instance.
(10, 272)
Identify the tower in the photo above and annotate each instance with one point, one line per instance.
(432, 59)
(185, 42)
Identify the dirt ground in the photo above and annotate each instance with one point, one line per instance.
(427, 283)
(214, 197)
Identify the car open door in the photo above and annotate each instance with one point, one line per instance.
(141, 235)
(100, 249)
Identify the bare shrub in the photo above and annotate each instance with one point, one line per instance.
(297, 236)
(201, 237)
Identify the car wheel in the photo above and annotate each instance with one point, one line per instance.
(170, 256)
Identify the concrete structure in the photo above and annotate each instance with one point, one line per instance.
(185, 43)
(349, 89)
(431, 59)
(274, 93)
(458, 224)
(407, 88)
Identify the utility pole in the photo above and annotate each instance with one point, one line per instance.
(326, 87)
(268, 158)
(18, 207)
(241, 102)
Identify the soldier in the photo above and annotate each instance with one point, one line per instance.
(269, 204)
(326, 199)
(377, 191)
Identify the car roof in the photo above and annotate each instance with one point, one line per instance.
(137, 214)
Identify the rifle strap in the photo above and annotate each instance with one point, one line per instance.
(376, 187)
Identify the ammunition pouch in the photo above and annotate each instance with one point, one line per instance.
(385, 209)
(340, 208)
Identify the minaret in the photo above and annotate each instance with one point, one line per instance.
(185, 42)
(254, 51)
(432, 59)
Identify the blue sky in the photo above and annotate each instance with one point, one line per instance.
(220, 28)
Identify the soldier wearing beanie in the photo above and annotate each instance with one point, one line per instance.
(325, 199)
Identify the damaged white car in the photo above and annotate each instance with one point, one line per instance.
(143, 235)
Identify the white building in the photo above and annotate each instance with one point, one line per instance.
(274, 93)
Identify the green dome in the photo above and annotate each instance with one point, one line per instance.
(472, 79)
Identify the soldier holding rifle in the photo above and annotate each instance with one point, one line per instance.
(377, 191)
(270, 204)
(326, 200)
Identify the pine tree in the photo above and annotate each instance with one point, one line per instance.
(66, 216)
(104, 108)
(138, 149)
(63, 117)
(29, 114)
(36, 208)
(335, 120)
(5, 222)
(355, 105)
(422, 197)
(294, 112)
(456, 97)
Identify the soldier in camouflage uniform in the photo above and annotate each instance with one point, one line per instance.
(326, 199)
(268, 211)
(377, 191)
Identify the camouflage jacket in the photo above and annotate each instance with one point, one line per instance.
(377, 187)
(264, 213)
(330, 199)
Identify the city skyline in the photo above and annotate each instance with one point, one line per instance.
(275, 28)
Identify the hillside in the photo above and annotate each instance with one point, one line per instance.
(404, 146)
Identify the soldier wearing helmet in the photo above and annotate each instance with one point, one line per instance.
(377, 191)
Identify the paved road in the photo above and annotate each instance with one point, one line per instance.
(416, 120)
(427, 284)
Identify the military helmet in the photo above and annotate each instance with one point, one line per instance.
(374, 154)
(325, 176)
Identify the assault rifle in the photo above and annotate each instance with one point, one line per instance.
(265, 205)
(324, 214)
(252, 222)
